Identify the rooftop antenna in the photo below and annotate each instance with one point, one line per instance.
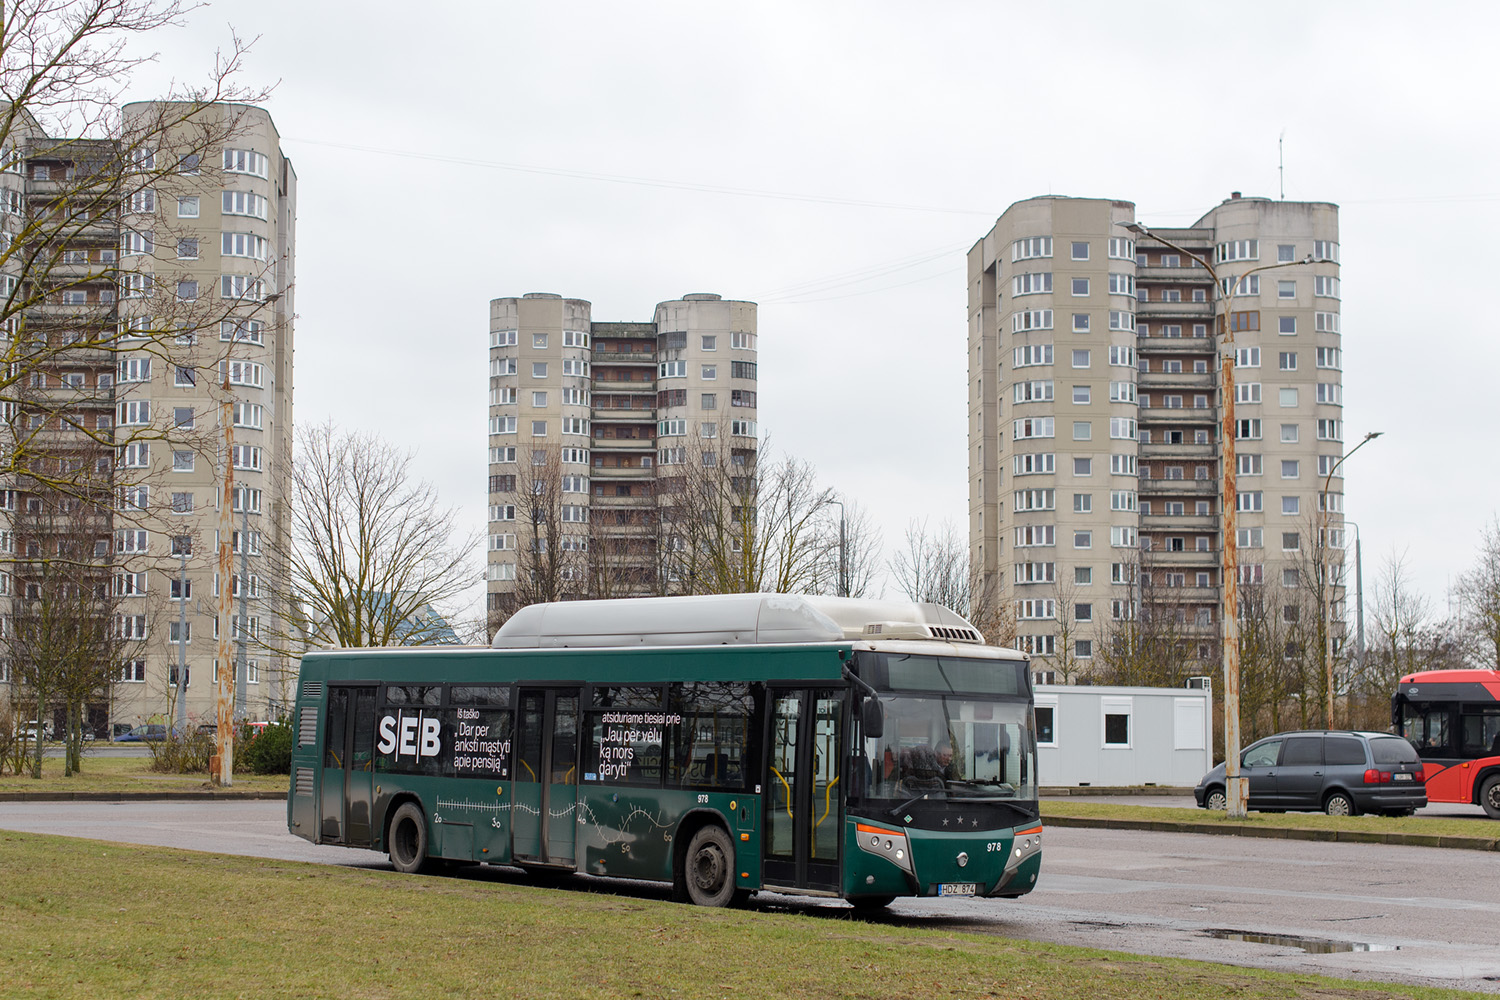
(1281, 161)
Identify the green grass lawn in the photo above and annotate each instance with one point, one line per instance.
(126, 774)
(1431, 826)
(85, 919)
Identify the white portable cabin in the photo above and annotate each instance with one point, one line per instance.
(1124, 736)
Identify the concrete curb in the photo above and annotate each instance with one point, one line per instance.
(1279, 833)
(195, 795)
(1065, 791)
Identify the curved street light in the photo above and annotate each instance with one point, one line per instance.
(1325, 567)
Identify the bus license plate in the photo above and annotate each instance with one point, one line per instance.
(956, 888)
(1401, 776)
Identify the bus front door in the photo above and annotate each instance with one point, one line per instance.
(804, 821)
(348, 753)
(545, 788)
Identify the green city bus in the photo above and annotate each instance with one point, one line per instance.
(727, 744)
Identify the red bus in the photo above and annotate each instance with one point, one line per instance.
(1452, 717)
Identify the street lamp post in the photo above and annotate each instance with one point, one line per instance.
(1325, 586)
(1237, 790)
(843, 581)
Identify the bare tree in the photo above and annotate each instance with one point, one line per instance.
(934, 567)
(77, 171)
(372, 551)
(63, 639)
(1479, 592)
(851, 551)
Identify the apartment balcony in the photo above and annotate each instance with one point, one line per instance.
(1153, 310)
(1187, 559)
(1178, 487)
(1177, 415)
(635, 358)
(607, 500)
(616, 473)
(645, 416)
(1174, 523)
(624, 444)
(1151, 346)
(1160, 450)
(1164, 594)
(1169, 381)
(1174, 275)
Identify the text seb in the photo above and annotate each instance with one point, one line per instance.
(410, 736)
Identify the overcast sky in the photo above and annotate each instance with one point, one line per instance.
(834, 162)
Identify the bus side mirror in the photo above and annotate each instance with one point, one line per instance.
(872, 719)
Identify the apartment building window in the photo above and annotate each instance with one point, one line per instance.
(1247, 429)
(1082, 430)
(1122, 356)
(539, 428)
(1325, 250)
(1034, 535)
(1122, 392)
(1029, 500)
(1083, 466)
(245, 203)
(187, 207)
(1331, 393)
(1248, 285)
(502, 425)
(1122, 500)
(1286, 289)
(131, 627)
(539, 369)
(187, 288)
(1290, 541)
(1121, 320)
(1290, 468)
(1123, 537)
(1034, 246)
(1237, 250)
(1291, 506)
(1326, 322)
(187, 249)
(1121, 284)
(1287, 361)
(241, 286)
(1033, 283)
(503, 338)
(1328, 357)
(1083, 503)
(1251, 501)
(245, 415)
(1033, 463)
(1247, 392)
(1171, 295)
(137, 243)
(1243, 322)
(1325, 286)
(1248, 538)
(1247, 465)
(245, 161)
(1033, 427)
(1031, 354)
(1081, 395)
(134, 412)
(1121, 248)
(1083, 576)
(1080, 287)
(539, 341)
(247, 245)
(1122, 465)
(1330, 430)
(1247, 357)
(1289, 433)
(1080, 359)
(1080, 322)
(1287, 397)
(1122, 428)
(1034, 319)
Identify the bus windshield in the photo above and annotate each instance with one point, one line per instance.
(955, 728)
(953, 747)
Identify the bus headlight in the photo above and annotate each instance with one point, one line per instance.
(884, 843)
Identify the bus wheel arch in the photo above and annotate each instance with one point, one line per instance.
(1488, 795)
(406, 837)
(703, 862)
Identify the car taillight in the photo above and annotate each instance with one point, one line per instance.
(1375, 776)
(1419, 775)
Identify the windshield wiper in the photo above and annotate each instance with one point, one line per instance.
(897, 810)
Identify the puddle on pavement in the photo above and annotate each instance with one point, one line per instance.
(1311, 945)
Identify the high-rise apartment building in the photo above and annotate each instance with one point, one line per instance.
(171, 297)
(595, 428)
(1095, 413)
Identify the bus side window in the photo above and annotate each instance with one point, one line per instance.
(333, 733)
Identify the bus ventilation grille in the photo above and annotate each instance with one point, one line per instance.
(312, 689)
(955, 634)
(307, 726)
(304, 781)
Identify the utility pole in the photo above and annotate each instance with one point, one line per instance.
(240, 676)
(182, 677)
(223, 771)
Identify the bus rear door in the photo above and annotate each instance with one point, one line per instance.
(348, 753)
(545, 785)
(804, 820)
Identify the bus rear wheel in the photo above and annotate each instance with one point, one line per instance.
(408, 839)
(1489, 796)
(707, 875)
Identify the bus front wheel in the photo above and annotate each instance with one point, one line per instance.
(707, 875)
(1489, 796)
(408, 839)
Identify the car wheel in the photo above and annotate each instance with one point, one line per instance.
(1339, 804)
(408, 839)
(1214, 799)
(1489, 796)
(707, 874)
